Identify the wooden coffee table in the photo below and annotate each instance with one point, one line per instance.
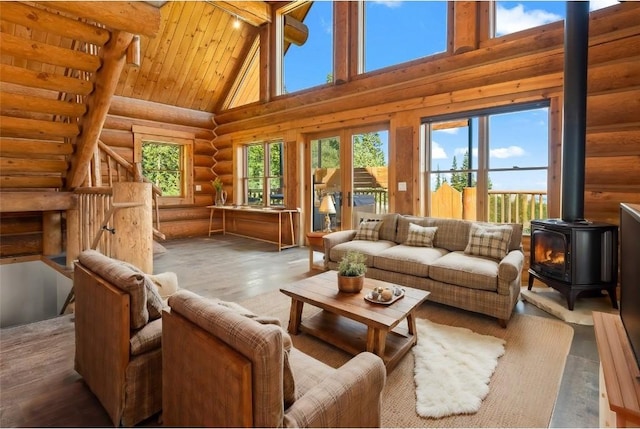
(351, 323)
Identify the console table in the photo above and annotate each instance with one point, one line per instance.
(279, 213)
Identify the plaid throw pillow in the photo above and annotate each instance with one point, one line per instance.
(489, 241)
(420, 235)
(369, 230)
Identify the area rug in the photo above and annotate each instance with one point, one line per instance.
(453, 367)
(554, 303)
(522, 390)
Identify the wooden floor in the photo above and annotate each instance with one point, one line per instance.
(39, 388)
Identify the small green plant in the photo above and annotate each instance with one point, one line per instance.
(217, 184)
(352, 264)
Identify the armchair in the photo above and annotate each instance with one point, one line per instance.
(118, 330)
(222, 368)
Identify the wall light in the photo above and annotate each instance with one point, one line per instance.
(236, 24)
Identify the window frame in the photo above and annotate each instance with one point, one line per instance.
(267, 177)
(186, 142)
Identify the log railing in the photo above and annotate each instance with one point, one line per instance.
(94, 203)
(121, 170)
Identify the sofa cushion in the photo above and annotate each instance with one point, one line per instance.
(125, 277)
(147, 338)
(489, 241)
(368, 230)
(516, 233)
(389, 223)
(453, 234)
(368, 248)
(409, 260)
(166, 283)
(420, 235)
(154, 300)
(465, 270)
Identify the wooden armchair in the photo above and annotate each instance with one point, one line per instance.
(224, 369)
(118, 338)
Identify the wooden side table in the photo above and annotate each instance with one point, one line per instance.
(316, 244)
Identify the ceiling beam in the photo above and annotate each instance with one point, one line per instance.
(98, 103)
(131, 16)
(255, 13)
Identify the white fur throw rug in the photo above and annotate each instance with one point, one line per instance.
(453, 367)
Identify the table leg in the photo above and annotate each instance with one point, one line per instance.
(371, 339)
(381, 342)
(211, 220)
(279, 231)
(295, 316)
(411, 322)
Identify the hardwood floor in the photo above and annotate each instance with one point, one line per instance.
(39, 388)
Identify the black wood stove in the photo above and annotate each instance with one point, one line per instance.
(573, 255)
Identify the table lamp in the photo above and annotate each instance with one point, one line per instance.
(328, 208)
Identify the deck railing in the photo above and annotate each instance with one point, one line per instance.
(517, 207)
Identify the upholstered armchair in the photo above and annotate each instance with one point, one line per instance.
(227, 368)
(118, 331)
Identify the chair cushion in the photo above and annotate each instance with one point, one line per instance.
(465, 270)
(489, 241)
(389, 223)
(123, 276)
(147, 338)
(166, 283)
(368, 230)
(368, 248)
(420, 235)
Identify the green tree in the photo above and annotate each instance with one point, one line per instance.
(458, 179)
(367, 151)
(161, 165)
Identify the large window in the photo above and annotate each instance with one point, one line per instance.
(263, 178)
(514, 16)
(166, 160)
(399, 31)
(306, 63)
(490, 166)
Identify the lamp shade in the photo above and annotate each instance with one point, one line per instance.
(326, 205)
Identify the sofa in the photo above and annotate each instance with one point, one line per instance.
(118, 333)
(225, 366)
(475, 266)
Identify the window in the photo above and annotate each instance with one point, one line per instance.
(399, 31)
(306, 63)
(490, 166)
(514, 16)
(166, 160)
(263, 178)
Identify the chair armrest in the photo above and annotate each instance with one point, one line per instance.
(350, 397)
(333, 239)
(511, 266)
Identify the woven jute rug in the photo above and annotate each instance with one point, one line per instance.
(522, 390)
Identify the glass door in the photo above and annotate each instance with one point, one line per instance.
(326, 181)
(369, 173)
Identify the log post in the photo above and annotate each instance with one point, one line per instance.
(51, 233)
(465, 29)
(73, 236)
(133, 240)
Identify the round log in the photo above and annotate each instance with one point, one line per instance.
(133, 225)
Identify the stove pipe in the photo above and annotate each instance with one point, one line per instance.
(576, 47)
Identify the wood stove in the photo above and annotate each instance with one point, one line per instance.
(574, 257)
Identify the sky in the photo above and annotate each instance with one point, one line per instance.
(400, 31)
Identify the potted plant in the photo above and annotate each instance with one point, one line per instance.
(221, 195)
(351, 270)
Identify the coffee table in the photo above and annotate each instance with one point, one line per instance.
(351, 323)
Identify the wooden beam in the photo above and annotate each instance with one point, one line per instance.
(255, 13)
(295, 31)
(39, 19)
(142, 109)
(49, 54)
(35, 129)
(98, 102)
(466, 25)
(42, 80)
(135, 17)
(21, 182)
(27, 103)
(13, 147)
(341, 55)
(21, 165)
(36, 201)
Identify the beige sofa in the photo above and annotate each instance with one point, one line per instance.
(474, 276)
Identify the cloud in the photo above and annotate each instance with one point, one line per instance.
(437, 151)
(516, 19)
(327, 27)
(463, 150)
(601, 4)
(449, 130)
(507, 152)
(388, 3)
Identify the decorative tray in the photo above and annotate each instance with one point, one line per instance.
(369, 297)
